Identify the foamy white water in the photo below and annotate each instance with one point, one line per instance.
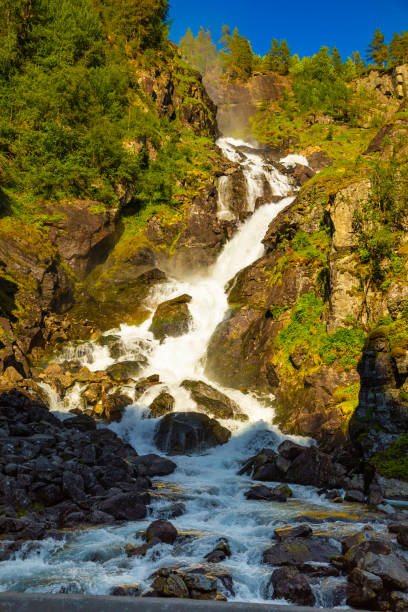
(94, 560)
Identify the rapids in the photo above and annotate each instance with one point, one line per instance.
(93, 560)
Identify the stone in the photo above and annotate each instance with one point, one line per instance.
(171, 511)
(124, 506)
(125, 590)
(161, 530)
(189, 432)
(282, 490)
(153, 465)
(219, 553)
(298, 531)
(391, 568)
(297, 551)
(260, 492)
(161, 405)
(354, 496)
(290, 450)
(172, 318)
(212, 401)
(123, 371)
(288, 583)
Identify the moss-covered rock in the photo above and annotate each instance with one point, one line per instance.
(172, 318)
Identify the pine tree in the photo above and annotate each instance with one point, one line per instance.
(336, 59)
(377, 51)
(278, 57)
(359, 62)
(237, 55)
(285, 51)
(399, 48)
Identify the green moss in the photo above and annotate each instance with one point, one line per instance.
(393, 462)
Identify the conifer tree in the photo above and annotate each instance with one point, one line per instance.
(336, 59)
(377, 51)
(237, 55)
(399, 48)
(359, 62)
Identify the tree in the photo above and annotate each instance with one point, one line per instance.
(399, 48)
(336, 59)
(377, 51)
(237, 55)
(359, 63)
(277, 58)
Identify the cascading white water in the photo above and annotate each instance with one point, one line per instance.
(94, 560)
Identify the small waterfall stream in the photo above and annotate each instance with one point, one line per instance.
(93, 560)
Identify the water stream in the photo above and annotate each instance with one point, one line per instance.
(93, 560)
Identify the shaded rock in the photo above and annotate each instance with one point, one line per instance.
(125, 590)
(125, 506)
(290, 450)
(171, 511)
(363, 589)
(288, 583)
(82, 422)
(153, 465)
(263, 493)
(297, 551)
(161, 530)
(301, 174)
(212, 401)
(220, 552)
(299, 531)
(354, 496)
(391, 568)
(184, 432)
(172, 318)
(161, 405)
(282, 490)
(114, 405)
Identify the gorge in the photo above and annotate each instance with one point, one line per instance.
(204, 347)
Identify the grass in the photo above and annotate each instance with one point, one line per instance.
(393, 462)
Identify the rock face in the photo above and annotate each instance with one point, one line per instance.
(172, 318)
(212, 401)
(237, 102)
(75, 473)
(189, 432)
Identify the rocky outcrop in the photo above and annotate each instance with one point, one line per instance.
(237, 102)
(83, 232)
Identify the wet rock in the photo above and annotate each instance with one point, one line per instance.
(170, 584)
(82, 422)
(171, 511)
(301, 174)
(391, 568)
(220, 552)
(172, 318)
(125, 590)
(125, 506)
(212, 401)
(161, 405)
(290, 450)
(313, 467)
(153, 465)
(354, 496)
(124, 371)
(114, 405)
(114, 344)
(161, 530)
(263, 493)
(282, 490)
(363, 589)
(145, 383)
(401, 529)
(297, 551)
(288, 583)
(298, 531)
(186, 432)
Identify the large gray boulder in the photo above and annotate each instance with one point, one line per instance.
(189, 432)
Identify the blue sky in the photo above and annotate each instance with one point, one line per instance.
(349, 25)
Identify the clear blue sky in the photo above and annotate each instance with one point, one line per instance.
(347, 24)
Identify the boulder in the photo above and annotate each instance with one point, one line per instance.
(219, 553)
(363, 589)
(172, 318)
(298, 531)
(354, 496)
(161, 405)
(391, 568)
(288, 583)
(124, 506)
(153, 465)
(114, 405)
(212, 401)
(297, 551)
(161, 530)
(125, 590)
(264, 493)
(123, 371)
(187, 432)
(290, 450)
